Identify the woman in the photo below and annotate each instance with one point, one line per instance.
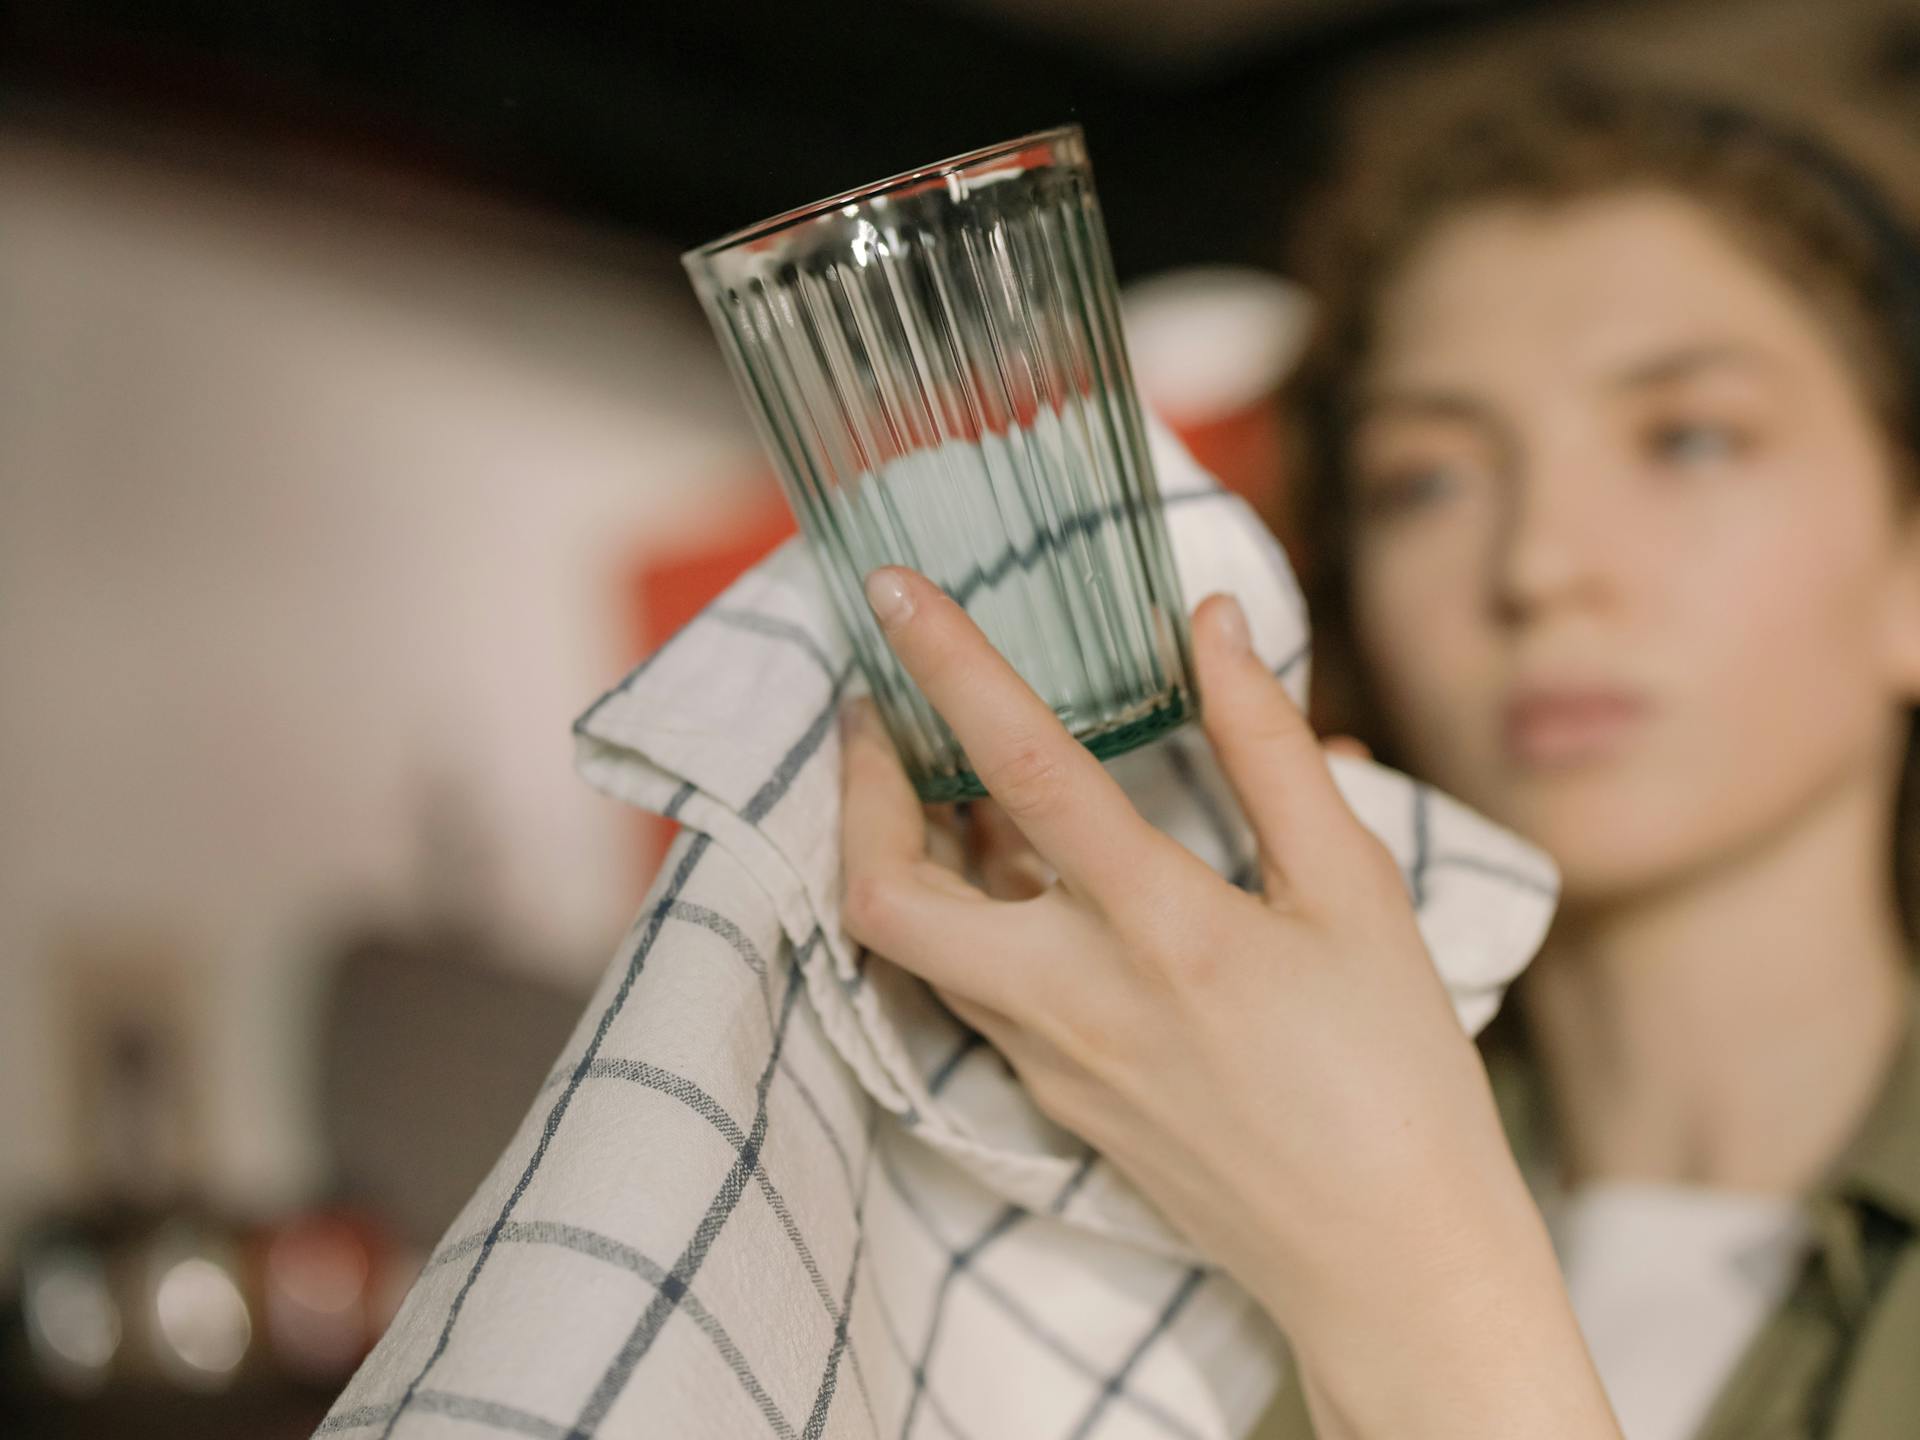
(1614, 421)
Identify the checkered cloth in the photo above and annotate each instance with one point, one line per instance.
(772, 1188)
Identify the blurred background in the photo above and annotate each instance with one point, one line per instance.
(358, 428)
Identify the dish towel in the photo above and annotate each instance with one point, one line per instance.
(772, 1187)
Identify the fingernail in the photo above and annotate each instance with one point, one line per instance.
(888, 596)
(1230, 623)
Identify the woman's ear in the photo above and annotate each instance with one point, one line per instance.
(1903, 609)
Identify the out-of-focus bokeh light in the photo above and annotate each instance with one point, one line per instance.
(319, 1278)
(73, 1321)
(203, 1328)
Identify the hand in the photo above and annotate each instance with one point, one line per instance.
(1281, 1073)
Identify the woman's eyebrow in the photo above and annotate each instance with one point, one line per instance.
(1688, 360)
(1419, 404)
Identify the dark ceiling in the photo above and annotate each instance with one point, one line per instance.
(689, 119)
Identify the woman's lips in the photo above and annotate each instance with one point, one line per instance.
(1549, 728)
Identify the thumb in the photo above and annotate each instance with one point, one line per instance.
(1267, 751)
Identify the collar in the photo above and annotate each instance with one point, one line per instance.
(1881, 1164)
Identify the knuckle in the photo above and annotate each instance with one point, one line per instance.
(869, 902)
(1181, 962)
(1380, 864)
(1280, 749)
(1030, 782)
(1190, 968)
(1267, 715)
(1089, 1039)
(1165, 913)
(1187, 948)
(1373, 882)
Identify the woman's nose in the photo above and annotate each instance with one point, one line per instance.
(1552, 548)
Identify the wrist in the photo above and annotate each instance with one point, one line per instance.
(1498, 1355)
(1441, 1313)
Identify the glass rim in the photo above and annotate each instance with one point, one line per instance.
(919, 174)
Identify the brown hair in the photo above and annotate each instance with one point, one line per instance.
(1823, 208)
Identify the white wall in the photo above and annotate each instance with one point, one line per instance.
(308, 479)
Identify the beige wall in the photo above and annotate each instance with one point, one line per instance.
(309, 480)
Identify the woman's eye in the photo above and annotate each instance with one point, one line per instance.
(1694, 443)
(1410, 488)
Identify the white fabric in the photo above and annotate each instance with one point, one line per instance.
(774, 1188)
(1670, 1283)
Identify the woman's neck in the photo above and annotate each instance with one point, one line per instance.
(1732, 1030)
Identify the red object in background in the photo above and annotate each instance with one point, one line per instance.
(326, 1282)
(1243, 449)
(667, 588)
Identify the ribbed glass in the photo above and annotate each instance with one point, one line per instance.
(936, 366)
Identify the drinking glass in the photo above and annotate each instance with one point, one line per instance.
(935, 364)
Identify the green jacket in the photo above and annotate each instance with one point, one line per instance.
(1840, 1358)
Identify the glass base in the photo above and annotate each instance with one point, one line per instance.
(965, 785)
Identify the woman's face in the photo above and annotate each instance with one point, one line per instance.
(1631, 571)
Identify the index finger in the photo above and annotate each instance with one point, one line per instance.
(1049, 784)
